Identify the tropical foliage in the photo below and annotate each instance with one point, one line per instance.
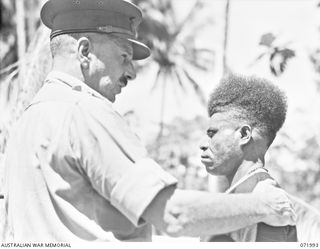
(177, 59)
(174, 48)
(278, 54)
(182, 158)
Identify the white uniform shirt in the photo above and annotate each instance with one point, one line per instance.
(75, 170)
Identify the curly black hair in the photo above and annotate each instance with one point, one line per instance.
(254, 99)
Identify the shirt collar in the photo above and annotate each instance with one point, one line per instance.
(75, 84)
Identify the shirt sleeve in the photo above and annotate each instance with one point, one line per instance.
(113, 159)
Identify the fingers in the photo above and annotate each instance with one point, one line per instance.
(289, 218)
(287, 209)
(289, 214)
(280, 208)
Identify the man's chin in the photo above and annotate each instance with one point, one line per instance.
(208, 164)
(211, 168)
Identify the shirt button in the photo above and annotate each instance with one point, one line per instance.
(77, 88)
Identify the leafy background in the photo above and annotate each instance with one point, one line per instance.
(187, 60)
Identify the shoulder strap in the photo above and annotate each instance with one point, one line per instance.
(265, 232)
(247, 183)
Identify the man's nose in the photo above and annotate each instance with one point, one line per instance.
(204, 145)
(130, 72)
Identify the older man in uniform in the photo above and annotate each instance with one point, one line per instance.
(76, 172)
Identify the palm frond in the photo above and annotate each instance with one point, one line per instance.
(195, 86)
(267, 40)
(259, 57)
(180, 81)
(157, 79)
(279, 55)
(153, 28)
(9, 68)
(189, 18)
(28, 75)
(200, 58)
(9, 83)
(198, 65)
(279, 58)
(273, 70)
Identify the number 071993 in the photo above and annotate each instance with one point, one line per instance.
(309, 244)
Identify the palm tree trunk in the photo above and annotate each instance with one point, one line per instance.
(225, 38)
(21, 28)
(21, 41)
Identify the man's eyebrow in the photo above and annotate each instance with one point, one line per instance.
(211, 129)
(128, 49)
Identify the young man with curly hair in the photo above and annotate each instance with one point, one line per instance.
(245, 115)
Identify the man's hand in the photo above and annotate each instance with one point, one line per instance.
(280, 210)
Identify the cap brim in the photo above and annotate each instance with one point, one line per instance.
(51, 8)
(140, 51)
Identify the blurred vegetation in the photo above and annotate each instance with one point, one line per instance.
(178, 152)
(176, 54)
(278, 54)
(174, 49)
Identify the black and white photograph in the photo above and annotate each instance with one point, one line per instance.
(183, 121)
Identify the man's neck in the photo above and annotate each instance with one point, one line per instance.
(245, 168)
(61, 64)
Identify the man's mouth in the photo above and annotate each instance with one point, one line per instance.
(205, 157)
(123, 82)
(206, 160)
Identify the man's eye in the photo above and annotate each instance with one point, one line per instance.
(125, 57)
(211, 133)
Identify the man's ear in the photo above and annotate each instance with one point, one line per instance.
(245, 134)
(84, 47)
